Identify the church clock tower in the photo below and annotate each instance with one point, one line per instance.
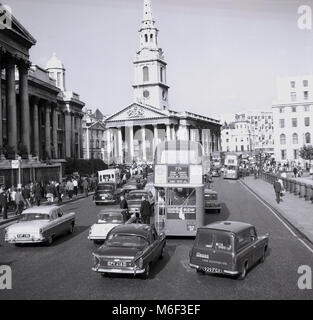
(150, 86)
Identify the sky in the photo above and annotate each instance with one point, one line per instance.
(223, 56)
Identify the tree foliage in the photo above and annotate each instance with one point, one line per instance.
(306, 152)
(84, 167)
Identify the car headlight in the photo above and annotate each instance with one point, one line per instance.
(139, 263)
(95, 260)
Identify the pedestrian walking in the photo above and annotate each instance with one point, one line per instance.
(295, 171)
(75, 184)
(124, 179)
(12, 202)
(278, 189)
(20, 202)
(26, 195)
(85, 185)
(3, 203)
(37, 193)
(70, 188)
(124, 207)
(145, 211)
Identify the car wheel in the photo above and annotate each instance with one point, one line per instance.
(49, 241)
(71, 229)
(161, 254)
(263, 255)
(243, 271)
(18, 244)
(104, 274)
(200, 271)
(147, 271)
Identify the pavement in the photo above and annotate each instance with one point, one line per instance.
(12, 216)
(297, 211)
(63, 270)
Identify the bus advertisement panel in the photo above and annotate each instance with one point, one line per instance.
(178, 179)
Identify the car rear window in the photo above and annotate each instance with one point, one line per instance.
(105, 188)
(218, 240)
(210, 196)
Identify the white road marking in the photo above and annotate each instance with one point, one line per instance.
(278, 217)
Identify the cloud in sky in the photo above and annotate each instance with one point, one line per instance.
(223, 56)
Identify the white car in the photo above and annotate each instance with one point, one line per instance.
(40, 224)
(107, 220)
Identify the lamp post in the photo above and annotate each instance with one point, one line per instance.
(19, 186)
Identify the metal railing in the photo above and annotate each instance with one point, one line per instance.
(298, 188)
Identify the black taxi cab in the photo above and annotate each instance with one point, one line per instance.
(228, 248)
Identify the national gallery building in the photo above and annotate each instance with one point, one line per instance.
(40, 122)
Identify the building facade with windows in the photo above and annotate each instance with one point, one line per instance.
(237, 137)
(293, 117)
(94, 135)
(262, 131)
(40, 122)
(133, 132)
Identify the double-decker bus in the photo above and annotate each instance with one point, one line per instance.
(216, 160)
(231, 166)
(178, 180)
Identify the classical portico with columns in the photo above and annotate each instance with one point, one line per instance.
(40, 122)
(133, 132)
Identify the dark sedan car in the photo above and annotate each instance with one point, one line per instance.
(129, 249)
(228, 247)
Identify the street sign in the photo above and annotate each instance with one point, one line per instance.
(14, 164)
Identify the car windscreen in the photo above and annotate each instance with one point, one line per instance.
(105, 188)
(126, 240)
(210, 196)
(216, 239)
(231, 168)
(110, 218)
(135, 196)
(34, 216)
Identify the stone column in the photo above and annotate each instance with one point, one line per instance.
(11, 104)
(73, 135)
(55, 132)
(48, 130)
(120, 145)
(155, 137)
(168, 132)
(109, 145)
(24, 105)
(1, 129)
(131, 144)
(81, 137)
(35, 101)
(87, 143)
(68, 152)
(143, 137)
(173, 133)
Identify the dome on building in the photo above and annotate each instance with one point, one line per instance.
(54, 63)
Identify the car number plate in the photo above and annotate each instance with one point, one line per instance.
(23, 235)
(211, 270)
(117, 264)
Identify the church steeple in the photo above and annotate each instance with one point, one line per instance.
(150, 68)
(148, 31)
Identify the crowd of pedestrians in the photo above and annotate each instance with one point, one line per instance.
(15, 199)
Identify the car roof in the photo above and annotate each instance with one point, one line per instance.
(41, 209)
(135, 228)
(230, 226)
(209, 191)
(111, 211)
(138, 191)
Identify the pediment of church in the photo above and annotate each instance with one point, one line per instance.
(137, 112)
(97, 126)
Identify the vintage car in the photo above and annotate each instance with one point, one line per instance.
(228, 247)
(211, 202)
(107, 220)
(130, 186)
(40, 224)
(216, 172)
(134, 199)
(129, 249)
(107, 193)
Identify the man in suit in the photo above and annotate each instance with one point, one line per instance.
(3, 203)
(277, 188)
(145, 211)
(124, 207)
